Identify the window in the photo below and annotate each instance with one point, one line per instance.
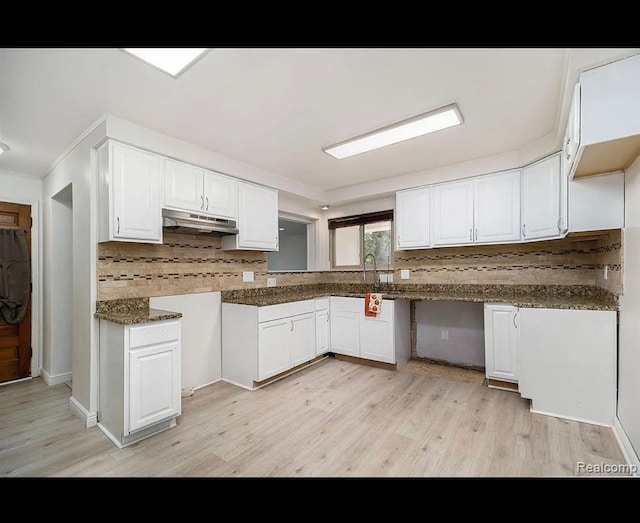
(354, 238)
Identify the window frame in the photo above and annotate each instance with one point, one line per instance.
(360, 221)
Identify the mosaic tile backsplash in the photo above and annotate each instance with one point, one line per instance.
(192, 263)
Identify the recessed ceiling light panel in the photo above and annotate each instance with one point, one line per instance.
(420, 125)
(173, 61)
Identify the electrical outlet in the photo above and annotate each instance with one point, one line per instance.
(386, 278)
(271, 282)
(247, 276)
(444, 334)
(404, 274)
(606, 272)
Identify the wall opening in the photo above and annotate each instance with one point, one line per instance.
(293, 247)
(57, 361)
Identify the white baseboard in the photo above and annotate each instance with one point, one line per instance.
(627, 449)
(236, 384)
(207, 384)
(90, 419)
(15, 381)
(570, 418)
(55, 379)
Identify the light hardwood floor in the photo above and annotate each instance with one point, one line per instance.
(334, 419)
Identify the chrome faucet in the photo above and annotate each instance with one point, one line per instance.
(375, 271)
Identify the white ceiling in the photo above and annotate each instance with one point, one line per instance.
(277, 108)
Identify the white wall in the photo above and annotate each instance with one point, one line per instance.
(26, 189)
(629, 329)
(201, 335)
(75, 168)
(465, 325)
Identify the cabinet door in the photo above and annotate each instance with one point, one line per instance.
(303, 338)
(220, 195)
(453, 213)
(154, 385)
(137, 211)
(412, 218)
(274, 347)
(501, 342)
(322, 332)
(497, 208)
(345, 332)
(183, 186)
(541, 199)
(257, 217)
(377, 335)
(571, 140)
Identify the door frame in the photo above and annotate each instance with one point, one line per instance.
(36, 278)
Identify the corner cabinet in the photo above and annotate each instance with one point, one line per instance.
(139, 388)
(323, 330)
(129, 201)
(257, 219)
(259, 343)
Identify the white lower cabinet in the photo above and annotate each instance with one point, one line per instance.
(568, 363)
(385, 337)
(501, 342)
(139, 389)
(261, 342)
(323, 330)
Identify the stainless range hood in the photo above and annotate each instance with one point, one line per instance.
(193, 223)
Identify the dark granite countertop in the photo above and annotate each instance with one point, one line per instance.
(131, 311)
(583, 297)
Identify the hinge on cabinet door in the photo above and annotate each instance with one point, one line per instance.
(31, 352)
(31, 288)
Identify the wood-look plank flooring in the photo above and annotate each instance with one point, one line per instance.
(334, 419)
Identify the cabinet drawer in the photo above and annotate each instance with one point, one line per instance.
(283, 310)
(322, 303)
(157, 332)
(347, 304)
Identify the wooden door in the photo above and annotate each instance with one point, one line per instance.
(15, 340)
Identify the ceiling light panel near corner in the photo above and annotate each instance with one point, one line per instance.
(443, 118)
(173, 61)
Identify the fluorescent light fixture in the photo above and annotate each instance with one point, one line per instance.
(420, 125)
(170, 60)
(3, 147)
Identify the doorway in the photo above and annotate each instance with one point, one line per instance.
(15, 291)
(58, 349)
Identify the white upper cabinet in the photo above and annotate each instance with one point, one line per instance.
(183, 186)
(220, 195)
(571, 140)
(189, 188)
(485, 209)
(541, 199)
(257, 219)
(608, 137)
(453, 213)
(412, 218)
(497, 208)
(129, 194)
